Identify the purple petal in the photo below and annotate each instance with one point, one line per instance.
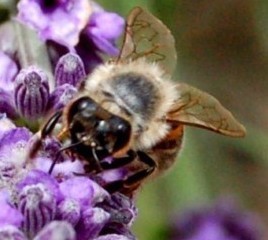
(13, 147)
(31, 92)
(104, 28)
(211, 231)
(107, 24)
(10, 232)
(117, 228)
(50, 147)
(15, 135)
(121, 208)
(91, 223)
(237, 222)
(63, 170)
(35, 177)
(69, 69)
(65, 167)
(59, 230)
(8, 214)
(68, 169)
(8, 170)
(5, 124)
(84, 190)
(100, 35)
(61, 96)
(7, 104)
(223, 221)
(113, 237)
(86, 49)
(69, 210)
(8, 71)
(113, 175)
(61, 22)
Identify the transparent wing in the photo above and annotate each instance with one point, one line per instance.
(146, 36)
(198, 108)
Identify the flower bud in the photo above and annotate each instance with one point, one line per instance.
(38, 207)
(121, 208)
(69, 210)
(92, 222)
(61, 96)
(69, 69)
(31, 92)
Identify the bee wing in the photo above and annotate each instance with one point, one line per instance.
(194, 107)
(146, 36)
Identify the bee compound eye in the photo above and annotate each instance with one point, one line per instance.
(103, 126)
(84, 106)
(123, 127)
(122, 133)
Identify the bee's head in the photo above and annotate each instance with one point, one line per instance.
(94, 127)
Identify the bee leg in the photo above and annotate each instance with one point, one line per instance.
(133, 181)
(45, 131)
(119, 162)
(50, 124)
(105, 165)
(98, 166)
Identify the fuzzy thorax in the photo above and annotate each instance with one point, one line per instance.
(138, 91)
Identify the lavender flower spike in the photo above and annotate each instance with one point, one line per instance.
(223, 221)
(31, 92)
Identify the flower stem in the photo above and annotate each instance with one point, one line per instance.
(32, 51)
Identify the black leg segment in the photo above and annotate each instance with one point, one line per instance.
(50, 124)
(119, 162)
(45, 131)
(134, 178)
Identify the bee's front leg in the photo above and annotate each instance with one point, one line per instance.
(50, 124)
(130, 183)
(120, 161)
(46, 130)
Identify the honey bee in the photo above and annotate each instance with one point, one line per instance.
(128, 108)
